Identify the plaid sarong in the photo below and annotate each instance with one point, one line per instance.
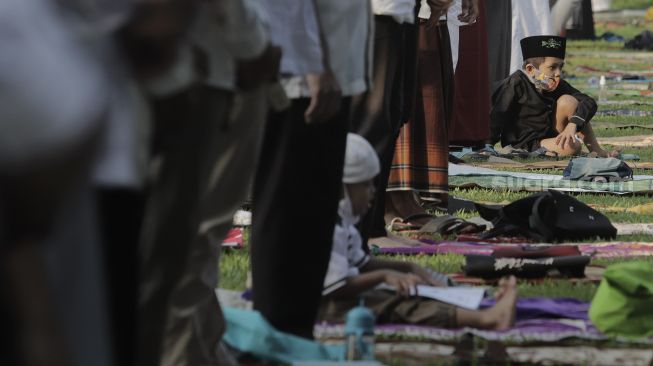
(421, 155)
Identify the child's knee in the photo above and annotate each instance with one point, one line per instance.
(567, 103)
(570, 150)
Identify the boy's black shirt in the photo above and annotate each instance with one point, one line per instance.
(521, 116)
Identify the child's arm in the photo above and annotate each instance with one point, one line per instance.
(502, 111)
(586, 105)
(356, 285)
(404, 267)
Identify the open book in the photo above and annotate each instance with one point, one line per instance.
(464, 297)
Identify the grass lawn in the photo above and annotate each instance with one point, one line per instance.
(235, 263)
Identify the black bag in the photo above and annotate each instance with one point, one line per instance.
(547, 216)
(642, 41)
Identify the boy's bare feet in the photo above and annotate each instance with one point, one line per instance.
(502, 315)
(604, 154)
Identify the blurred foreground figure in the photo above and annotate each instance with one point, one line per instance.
(208, 110)
(52, 99)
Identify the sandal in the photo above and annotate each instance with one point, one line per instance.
(401, 224)
(447, 224)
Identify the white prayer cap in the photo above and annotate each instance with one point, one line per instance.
(361, 160)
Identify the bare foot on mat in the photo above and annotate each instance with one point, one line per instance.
(502, 315)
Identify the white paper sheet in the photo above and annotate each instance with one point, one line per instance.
(464, 297)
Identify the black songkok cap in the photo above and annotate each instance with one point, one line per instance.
(543, 46)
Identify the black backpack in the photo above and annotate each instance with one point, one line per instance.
(547, 216)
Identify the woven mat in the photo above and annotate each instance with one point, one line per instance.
(430, 353)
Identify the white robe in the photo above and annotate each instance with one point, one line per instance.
(529, 18)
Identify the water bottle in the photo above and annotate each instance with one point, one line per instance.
(603, 90)
(359, 334)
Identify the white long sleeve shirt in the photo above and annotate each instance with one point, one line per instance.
(234, 30)
(403, 11)
(348, 30)
(347, 254)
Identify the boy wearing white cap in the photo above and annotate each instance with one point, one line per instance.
(353, 273)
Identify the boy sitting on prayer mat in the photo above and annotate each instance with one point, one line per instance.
(353, 274)
(535, 108)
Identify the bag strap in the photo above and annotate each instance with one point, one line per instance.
(535, 219)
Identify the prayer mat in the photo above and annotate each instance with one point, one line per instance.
(638, 140)
(593, 274)
(619, 126)
(643, 209)
(494, 163)
(464, 176)
(625, 102)
(430, 353)
(524, 331)
(624, 112)
(597, 250)
(234, 238)
(630, 229)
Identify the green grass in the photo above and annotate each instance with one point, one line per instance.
(234, 264)
(631, 4)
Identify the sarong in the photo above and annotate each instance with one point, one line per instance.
(422, 149)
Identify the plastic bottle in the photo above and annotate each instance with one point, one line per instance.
(359, 334)
(603, 90)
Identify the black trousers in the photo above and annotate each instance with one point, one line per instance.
(296, 192)
(121, 214)
(379, 114)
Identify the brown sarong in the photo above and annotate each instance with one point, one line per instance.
(421, 156)
(390, 308)
(470, 125)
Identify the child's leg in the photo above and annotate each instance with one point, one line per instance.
(500, 316)
(588, 136)
(565, 109)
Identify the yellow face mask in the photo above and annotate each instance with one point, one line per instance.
(545, 82)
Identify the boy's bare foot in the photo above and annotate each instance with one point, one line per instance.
(501, 288)
(604, 154)
(502, 315)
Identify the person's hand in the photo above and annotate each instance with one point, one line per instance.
(325, 97)
(426, 276)
(567, 137)
(151, 37)
(469, 12)
(439, 7)
(404, 283)
(255, 72)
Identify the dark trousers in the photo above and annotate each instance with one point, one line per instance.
(378, 114)
(178, 313)
(499, 30)
(296, 192)
(120, 216)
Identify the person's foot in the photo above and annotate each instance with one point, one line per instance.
(502, 315)
(403, 204)
(604, 154)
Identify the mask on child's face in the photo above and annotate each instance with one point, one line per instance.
(543, 81)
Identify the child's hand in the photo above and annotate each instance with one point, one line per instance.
(567, 137)
(426, 276)
(404, 283)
